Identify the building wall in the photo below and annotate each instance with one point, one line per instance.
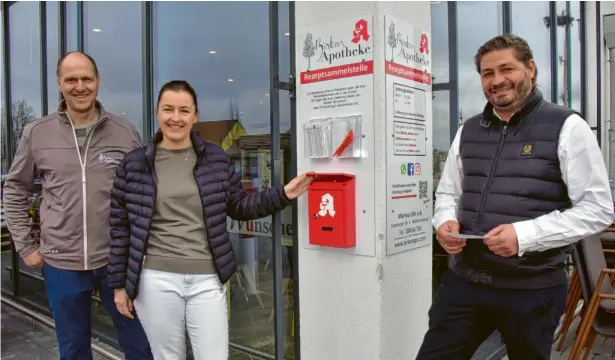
(361, 306)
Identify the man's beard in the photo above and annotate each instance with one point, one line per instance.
(521, 90)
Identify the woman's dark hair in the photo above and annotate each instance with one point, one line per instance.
(178, 86)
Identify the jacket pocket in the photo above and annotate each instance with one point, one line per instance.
(46, 207)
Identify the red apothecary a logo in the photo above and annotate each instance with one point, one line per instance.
(360, 31)
(424, 45)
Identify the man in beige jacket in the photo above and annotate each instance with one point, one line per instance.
(75, 152)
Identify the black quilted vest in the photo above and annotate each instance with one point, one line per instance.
(511, 173)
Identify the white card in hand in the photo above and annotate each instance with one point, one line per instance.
(464, 236)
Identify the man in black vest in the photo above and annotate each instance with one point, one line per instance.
(527, 179)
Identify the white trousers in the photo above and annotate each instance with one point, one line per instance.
(169, 303)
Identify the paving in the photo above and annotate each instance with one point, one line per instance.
(250, 323)
(26, 339)
(603, 349)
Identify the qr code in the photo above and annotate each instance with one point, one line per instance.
(422, 189)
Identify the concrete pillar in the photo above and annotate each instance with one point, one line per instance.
(369, 301)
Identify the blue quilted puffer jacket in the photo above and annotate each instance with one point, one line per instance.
(132, 205)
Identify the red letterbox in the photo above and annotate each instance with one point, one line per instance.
(331, 210)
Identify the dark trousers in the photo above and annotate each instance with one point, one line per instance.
(69, 293)
(464, 314)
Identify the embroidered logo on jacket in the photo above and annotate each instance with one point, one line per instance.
(106, 159)
(527, 150)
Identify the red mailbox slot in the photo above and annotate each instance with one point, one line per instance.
(331, 210)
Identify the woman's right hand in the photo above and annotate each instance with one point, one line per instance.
(123, 303)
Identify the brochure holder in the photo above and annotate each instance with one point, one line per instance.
(346, 136)
(317, 138)
(334, 137)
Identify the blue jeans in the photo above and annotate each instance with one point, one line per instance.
(69, 293)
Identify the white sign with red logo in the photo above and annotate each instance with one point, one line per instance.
(337, 52)
(409, 128)
(336, 79)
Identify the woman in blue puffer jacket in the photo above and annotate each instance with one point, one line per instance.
(169, 246)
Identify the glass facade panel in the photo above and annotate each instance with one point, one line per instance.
(288, 253)
(440, 43)
(25, 64)
(441, 145)
(25, 87)
(569, 54)
(441, 106)
(71, 26)
(230, 73)
(4, 164)
(441, 125)
(477, 23)
(53, 95)
(5, 244)
(576, 53)
(530, 20)
(119, 62)
(563, 43)
(284, 37)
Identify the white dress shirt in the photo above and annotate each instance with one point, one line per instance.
(583, 172)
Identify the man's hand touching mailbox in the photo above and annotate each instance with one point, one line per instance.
(297, 186)
(450, 244)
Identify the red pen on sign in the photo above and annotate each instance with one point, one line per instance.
(345, 143)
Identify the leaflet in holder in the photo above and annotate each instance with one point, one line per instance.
(464, 236)
(346, 136)
(317, 138)
(333, 137)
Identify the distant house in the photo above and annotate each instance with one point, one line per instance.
(224, 133)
